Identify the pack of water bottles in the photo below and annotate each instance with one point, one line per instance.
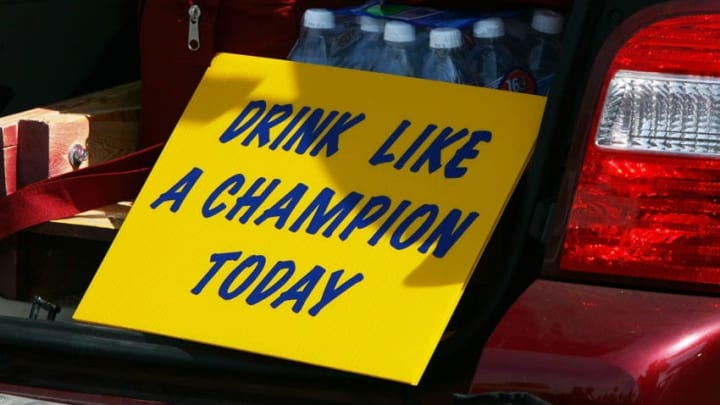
(512, 50)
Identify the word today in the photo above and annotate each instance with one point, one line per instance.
(269, 282)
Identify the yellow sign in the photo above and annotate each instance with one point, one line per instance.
(318, 214)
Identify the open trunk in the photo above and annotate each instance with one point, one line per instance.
(71, 362)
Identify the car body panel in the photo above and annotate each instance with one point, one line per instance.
(573, 343)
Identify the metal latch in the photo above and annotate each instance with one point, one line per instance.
(39, 303)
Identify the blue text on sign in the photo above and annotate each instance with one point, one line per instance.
(270, 282)
(299, 209)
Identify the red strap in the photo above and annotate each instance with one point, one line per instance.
(78, 191)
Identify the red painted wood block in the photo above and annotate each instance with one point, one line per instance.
(8, 179)
(8, 145)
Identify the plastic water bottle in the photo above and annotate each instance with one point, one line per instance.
(399, 55)
(313, 43)
(544, 47)
(446, 60)
(516, 35)
(492, 60)
(422, 41)
(365, 52)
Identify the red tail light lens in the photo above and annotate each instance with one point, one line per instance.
(647, 202)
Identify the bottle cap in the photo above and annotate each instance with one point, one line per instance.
(489, 28)
(445, 38)
(398, 31)
(547, 21)
(319, 18)
(369, 24)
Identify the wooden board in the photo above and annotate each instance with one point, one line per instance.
(44, 143)
(60, 257)
(112, 113)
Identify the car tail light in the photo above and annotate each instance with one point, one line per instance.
(647, 199)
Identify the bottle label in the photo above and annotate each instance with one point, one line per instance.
(519, 81)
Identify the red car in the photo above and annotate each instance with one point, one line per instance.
(599, 285)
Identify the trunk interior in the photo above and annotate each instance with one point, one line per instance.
(48, 267)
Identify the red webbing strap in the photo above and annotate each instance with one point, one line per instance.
(78, 191)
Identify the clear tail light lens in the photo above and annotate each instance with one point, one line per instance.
(647, 201)
(656, 112)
